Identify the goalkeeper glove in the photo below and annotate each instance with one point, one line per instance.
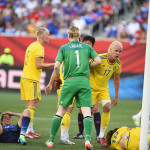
(58, 82)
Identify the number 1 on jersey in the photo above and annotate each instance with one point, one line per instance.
(77, 54)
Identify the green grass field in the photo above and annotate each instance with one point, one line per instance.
(10, 101)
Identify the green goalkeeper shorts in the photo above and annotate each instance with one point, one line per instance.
(80, 89)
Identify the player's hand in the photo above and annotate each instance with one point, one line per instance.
(48, 89)
(58, 82)
(115, 101)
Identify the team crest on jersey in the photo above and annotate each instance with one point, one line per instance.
(114, 68)
(108, 67)
(42, 52)
(103, 65)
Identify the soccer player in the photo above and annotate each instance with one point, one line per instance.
(99, 78)
(65, 123)
(137, 118)
(124, 138)
(29, 82)
(10, 133)
(76, 75)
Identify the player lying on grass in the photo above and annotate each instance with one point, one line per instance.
(124, 138)
(65, 123)
(10, 133)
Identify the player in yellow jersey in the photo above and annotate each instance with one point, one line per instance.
(137, 118)
(29, 82)
(65, 124)
(99, 78)
(124, 138)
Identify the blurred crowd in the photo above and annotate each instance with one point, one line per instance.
(22, 17)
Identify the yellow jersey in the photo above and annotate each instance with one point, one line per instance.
(117, 136)
(30, 71)
(101, 74)
(61, 72)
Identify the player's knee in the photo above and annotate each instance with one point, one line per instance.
(95, 109)
(26, 113)
(107, 108)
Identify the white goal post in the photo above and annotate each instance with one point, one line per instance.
(146, 94)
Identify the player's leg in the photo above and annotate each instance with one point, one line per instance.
(84, 101)
(30, 91)
(80, 125)
(56, 124)
(24, 123)
(137, 118)
(64, 102)
(104, 121)
(97, 119)
(87, 126)
(30, 132)
(65, 124)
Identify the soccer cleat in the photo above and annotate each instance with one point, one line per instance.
(36, 134)
(88, 145)
(32, 135)
(66, 142)
(136, 120)
(102, 142)
(78, 136)
(50, 144)
(22, 140)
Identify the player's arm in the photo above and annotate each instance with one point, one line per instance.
(13, 114)
(40, 65)
(48, 89)
(117, 84)
(56, 72)
(97, 61)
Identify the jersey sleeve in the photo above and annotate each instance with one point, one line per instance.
(39, 52)
(93, 53)
(118, 70)
(59, 55)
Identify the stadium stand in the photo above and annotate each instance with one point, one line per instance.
(21, 17)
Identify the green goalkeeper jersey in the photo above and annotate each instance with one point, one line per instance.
(76, 59)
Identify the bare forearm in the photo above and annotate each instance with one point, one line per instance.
(97, 61)
(45, 65)
(52, 79)
(117, 84)
(13, 114)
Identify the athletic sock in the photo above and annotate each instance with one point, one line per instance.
(25, 124)
(88, 128)
(65, 124)
(54, 127)
(104, 123)
(97, 119)
(80, 123)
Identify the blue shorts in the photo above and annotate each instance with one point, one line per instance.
(9, 135)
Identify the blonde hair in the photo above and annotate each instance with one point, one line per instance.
(74, 32)
(115, 43)
(40, 31)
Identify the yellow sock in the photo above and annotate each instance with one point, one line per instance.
(104, 123)
(65, 124)
(31, 109)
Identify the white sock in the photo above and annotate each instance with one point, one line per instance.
(101, 135)
(30, 128)
(64, 135)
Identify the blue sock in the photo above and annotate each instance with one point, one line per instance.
(97, 122)
(80, 123)
(25, 124)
